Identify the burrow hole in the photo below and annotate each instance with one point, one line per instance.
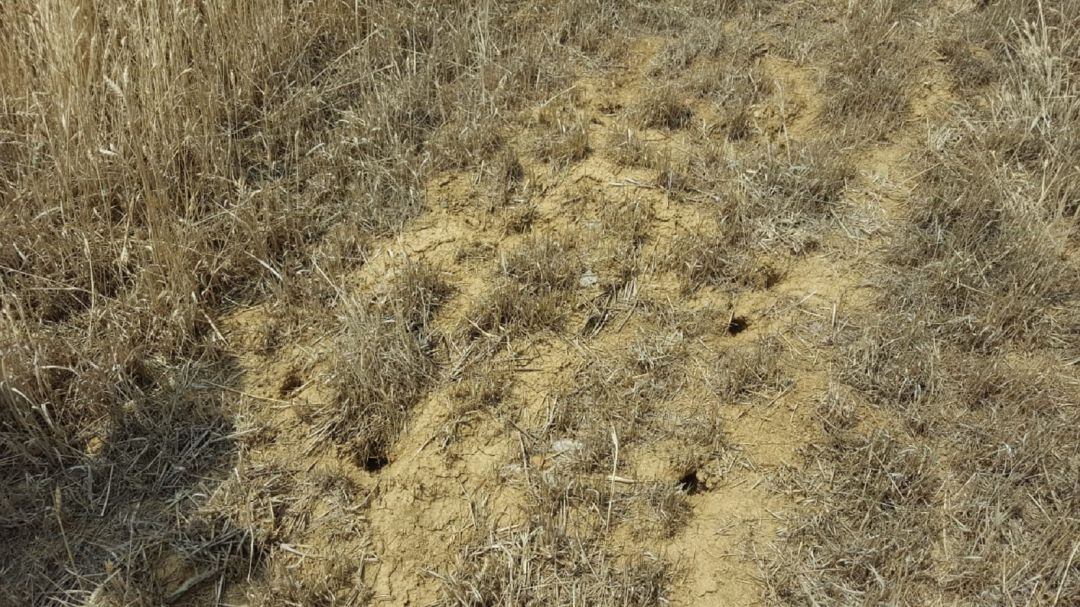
(375, 463)
(689, 483)
(737, 325)
(290, 384)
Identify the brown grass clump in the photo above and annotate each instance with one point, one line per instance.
(784, 203)
(530, 292)
(730, 76)
(557, 554)
(786, 197)
(520, 218)
(712, 256)
(968, 356)
(480, 393)
(663, 108)
(626, 231)
(1034, 113)
(203, 371)
(621, 403)
(160, 164)
(868, 532)
(896, 362)
(383, 366)
(971, 67)
(986, 47)
(629, 149)
(566, 144)
(510, 309)
(619, 396)
(415, 294)
(743, 372)
(1015, 475)
(873, 64)
(565, 137)
(382, 370)
(507, 179)
(979, 265)
(278, 502)
(981, 272)
(555, 557)
(543, 264)
(976, 505)
(705, 41)
(144, 521)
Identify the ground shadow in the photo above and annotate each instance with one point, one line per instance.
(125, 523)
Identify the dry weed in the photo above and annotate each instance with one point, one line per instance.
(968, 353)
(742, 372)
(629, 149)
(785, 202)
(663, 108)
(873, 66)
(556, 557)
(867, 534)
(382, 366)
(165, 164)
(530, 290)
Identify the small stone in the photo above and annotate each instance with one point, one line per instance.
(566, 445)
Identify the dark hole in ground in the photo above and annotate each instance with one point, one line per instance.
(291, 384)
(737, 325)
(375, 463)
(689, 483)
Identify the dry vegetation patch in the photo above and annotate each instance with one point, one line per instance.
(383, 366)
(968, 352)
(218, 385)
(781, 202)
(556, 557)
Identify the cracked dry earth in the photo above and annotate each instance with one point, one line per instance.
(452, 469)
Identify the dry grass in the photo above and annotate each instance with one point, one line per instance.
(556, 552)
(743, 372)
(725, 70)
(703, 42)
(630, 149)
(382, 366)
(381, 372)
(161, 164)
(620, 396)
(507, 178)
(620, 404)
(166, 166)
(116, 512)
(972, 497)
(483, 391)
(414, 295)
(968, 357)
(784, 202)
(864, 537)
(530, 290)
(1015, 475)
(788, 197)
(873, 66)
(979, 265)
(565, 137)
(663, 108)
(277, 501)
(555, 557)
